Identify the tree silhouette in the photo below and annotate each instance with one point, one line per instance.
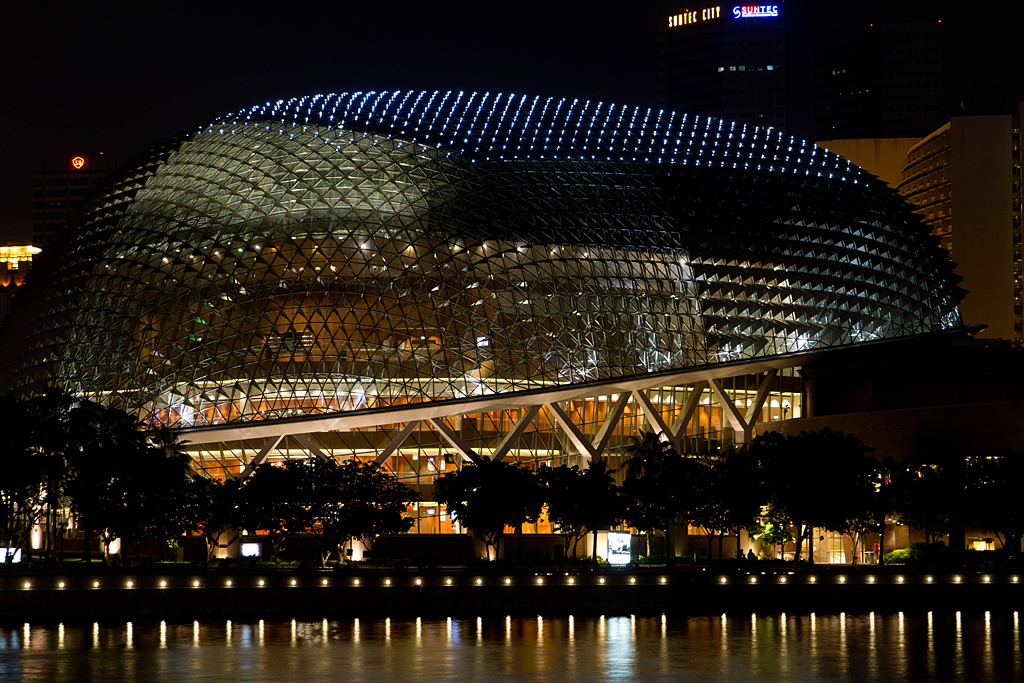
(488, 495)
(930, 493)
(22, 491)
(819, 479)
(580, 501)
(217, 509)
(992, 489)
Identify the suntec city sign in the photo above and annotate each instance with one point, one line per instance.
(79, 162)
(694, 16)
(749, 11)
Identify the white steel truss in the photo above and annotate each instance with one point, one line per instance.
(706, 386)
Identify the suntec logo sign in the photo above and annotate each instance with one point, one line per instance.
(751, 11)
(79, 162)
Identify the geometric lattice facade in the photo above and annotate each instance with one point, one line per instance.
(350, 252)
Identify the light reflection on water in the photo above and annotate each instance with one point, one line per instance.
(739, 647)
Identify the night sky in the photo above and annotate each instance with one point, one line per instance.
(86, 77)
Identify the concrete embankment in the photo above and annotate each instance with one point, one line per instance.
(278, 594)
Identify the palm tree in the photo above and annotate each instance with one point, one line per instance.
(656, 486)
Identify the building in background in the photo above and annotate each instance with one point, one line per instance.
(879, 81)
(15, 262)
(813, 71)
(965, 180)
(56, 194)
(881, 157)
(728, 62)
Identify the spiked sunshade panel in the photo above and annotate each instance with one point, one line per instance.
(344, 252)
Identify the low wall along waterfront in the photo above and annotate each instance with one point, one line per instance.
(462, 592)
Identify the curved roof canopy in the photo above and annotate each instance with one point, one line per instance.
(342, 252)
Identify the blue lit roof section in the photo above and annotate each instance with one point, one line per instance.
(499, 127)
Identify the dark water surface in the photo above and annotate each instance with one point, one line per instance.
(940, 646)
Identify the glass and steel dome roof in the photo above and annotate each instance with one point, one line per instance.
(342, 252)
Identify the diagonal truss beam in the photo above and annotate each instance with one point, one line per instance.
(393, 445)
(578, 438)
(762, 394)
(653, 416)
(674, 433)
(449, 434)
(593, 450)
(517, 431)
(743, 425)
(608, 428)
(689, 408)
(308, 444)
(268, 445)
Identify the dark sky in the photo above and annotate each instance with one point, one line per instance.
(84, 77)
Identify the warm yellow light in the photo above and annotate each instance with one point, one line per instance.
(540, 580)
(508, 580)
(130, 584)
(293, 582)
(18, 254)
(842, 579)
(95, 584)
(572, 581)
(325, 581)
(163, 584)
(28, 585)
(261, 582)
(632, 580)
(813, 579)
(723, 579)
(782, 579)
(196, 584)
(61, 584)
(229, 583)
(418, 582)
(387, 582)
(900, 579)
(663, 579)
(602, 580)
(449, 581)
(753, 579)
(987, 579)
(479, 581)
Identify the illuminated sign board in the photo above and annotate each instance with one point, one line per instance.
(252, 550)
(750, 11)
(694, 17)
(78, 162)
(620, 546)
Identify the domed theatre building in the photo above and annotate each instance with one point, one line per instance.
(420, 278)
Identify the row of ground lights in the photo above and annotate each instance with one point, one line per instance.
(569, 581)
(870, 579)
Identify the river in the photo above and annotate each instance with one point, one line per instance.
(941, 646)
